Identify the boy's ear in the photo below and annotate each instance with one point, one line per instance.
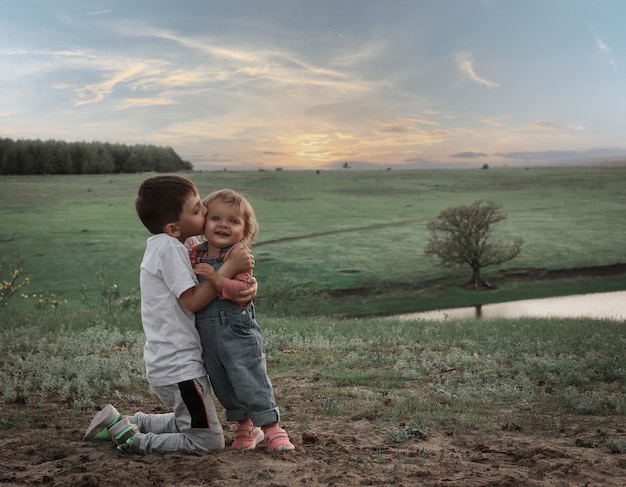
(172, 230)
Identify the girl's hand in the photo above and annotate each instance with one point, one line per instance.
(208, 273)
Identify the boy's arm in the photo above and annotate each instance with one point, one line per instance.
(240, 261)
(197, 297)
(240, 289)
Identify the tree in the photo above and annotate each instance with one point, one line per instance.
(60, 157)
(463, 235)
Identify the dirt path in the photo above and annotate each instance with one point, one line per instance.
(46, 448)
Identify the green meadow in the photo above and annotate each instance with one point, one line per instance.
(331, 242)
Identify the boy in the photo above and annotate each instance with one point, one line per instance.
(170, 208)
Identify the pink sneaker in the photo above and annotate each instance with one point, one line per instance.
(277, 439)
(247, 437)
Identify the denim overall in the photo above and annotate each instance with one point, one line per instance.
(234, 357)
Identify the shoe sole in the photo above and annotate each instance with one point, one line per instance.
(279, 436)
(101, 420)
(282, 448)
(258, 439)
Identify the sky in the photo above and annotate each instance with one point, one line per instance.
(316, 84)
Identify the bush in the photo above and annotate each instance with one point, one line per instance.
(11, 285)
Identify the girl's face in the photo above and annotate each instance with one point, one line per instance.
(224, 226)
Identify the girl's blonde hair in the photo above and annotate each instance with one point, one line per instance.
(228, 196)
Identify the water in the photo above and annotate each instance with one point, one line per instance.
(599, 305)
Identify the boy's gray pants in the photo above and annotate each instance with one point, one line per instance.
(193, 426)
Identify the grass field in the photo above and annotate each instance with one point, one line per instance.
(367, 401)
(370, 401)
(360, 234)
(493, 360)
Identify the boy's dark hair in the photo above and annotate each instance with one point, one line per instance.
(160, 200)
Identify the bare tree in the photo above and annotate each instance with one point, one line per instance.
(463, 235)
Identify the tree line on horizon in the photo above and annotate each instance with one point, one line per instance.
(31, 157)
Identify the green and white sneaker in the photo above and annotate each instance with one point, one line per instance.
(122, 434)
(100, 424)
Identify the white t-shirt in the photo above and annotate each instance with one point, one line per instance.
(173, 352)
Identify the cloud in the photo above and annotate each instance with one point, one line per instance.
(493, 121)
(420, 160)
(468, 155)
(188, 66)
(216, 158)
(552, 155)
(93, 77)
(360, 56)
(601, 44)
(128, 103)
(422, 120)
(606, 50)
(393, 130)
(277, 65)
(525, 156)
(402, 125)
(99, 12)
(465, 63)
(544, 126)
(96, 92)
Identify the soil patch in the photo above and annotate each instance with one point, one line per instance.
(46, 448)
(507, 275)
(540, 273)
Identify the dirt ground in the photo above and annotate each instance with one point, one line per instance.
(47, 449)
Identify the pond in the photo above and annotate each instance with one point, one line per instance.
(598, 305)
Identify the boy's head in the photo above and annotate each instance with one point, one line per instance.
(230, 197)
(170, 204)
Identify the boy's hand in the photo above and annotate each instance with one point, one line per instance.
(247, 294)
(241, 259)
